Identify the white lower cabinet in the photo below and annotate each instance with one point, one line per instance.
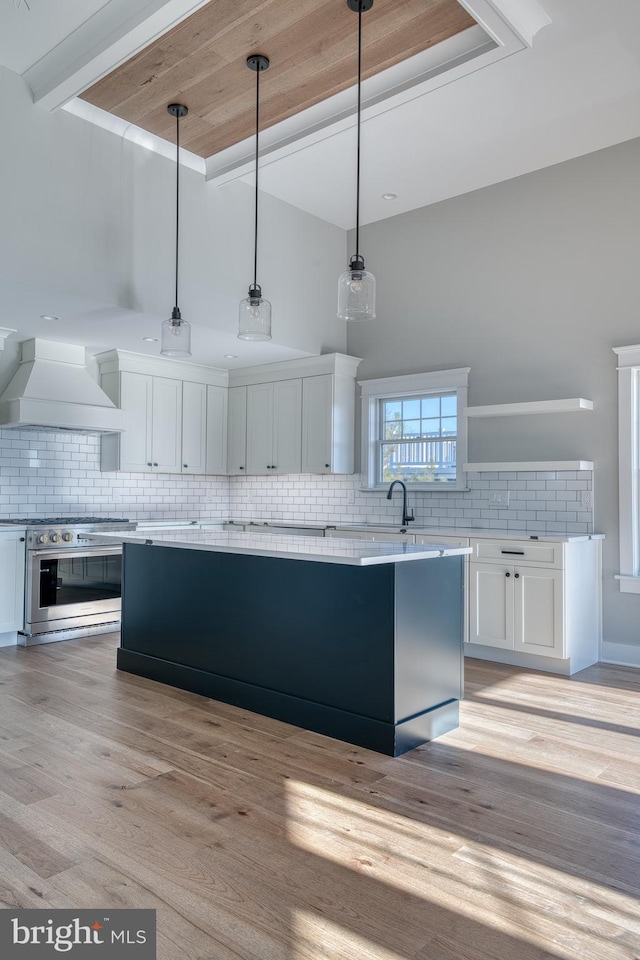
(12, 561)
(517, 608)
(543, 611)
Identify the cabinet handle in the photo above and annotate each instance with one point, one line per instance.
(21, 539)
(517, 576)
(149, 464)
(240, 468)
(274, 466)
(155, 464)
(507, 574)
(514, 553)
(185, 466)
(327, 465)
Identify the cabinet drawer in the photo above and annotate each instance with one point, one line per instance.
(518, 551)
(347, 534)
(446, 541)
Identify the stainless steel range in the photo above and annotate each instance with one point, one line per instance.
(72, 584)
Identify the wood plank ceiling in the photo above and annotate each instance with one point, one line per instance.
(312, 45)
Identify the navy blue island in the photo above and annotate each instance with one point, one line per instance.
(358, 640)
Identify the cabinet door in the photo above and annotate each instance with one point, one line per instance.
(538, 611)
(287, 426)
(217, 430)
(12, 581)
(194, 427)
(317, 424)
(166, 432)
(491, 604)
(237, 431)
(136, 397)
(260, 428)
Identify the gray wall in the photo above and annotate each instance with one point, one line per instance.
(530, 283)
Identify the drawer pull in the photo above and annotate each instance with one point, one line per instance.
(515, 553)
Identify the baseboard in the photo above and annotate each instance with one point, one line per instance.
(8, 639)
(516, 659)
(621, 654)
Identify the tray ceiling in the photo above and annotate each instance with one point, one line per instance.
(312, 48)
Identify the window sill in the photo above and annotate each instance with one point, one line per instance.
(628, 584)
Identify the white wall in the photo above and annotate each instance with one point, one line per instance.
(530, 283)
(91, 214)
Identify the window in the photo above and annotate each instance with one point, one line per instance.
(414, 429)
(629, 466)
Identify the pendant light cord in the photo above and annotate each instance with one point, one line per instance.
(177, 197)
(255, 235)
(358, 149)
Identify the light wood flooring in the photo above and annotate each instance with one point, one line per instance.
(513, 838)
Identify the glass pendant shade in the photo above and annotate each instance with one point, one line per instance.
(176, 337)
(254, 317)
(357, 293)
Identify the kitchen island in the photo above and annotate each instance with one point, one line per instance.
(361, 641)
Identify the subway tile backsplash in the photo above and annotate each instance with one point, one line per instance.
(44, 473)
(58, 474)
(550, 501)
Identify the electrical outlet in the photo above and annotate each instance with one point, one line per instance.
(499, 497)
(585, 499)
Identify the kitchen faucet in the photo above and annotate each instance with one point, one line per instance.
(406, 518)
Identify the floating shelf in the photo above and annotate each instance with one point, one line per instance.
(541, 465)
(572, 405)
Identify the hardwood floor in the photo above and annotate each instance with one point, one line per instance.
(512, 838)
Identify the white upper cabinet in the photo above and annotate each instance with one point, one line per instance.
(293, 424)
(136, 397)
(274, 425)
(287, 426)
(237, 431)
(216, 430)
(194, 427)
(295, 416)
(176, 423)
(166, 425)
(328, 411)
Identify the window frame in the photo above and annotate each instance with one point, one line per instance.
(436, 383)
(629, 466)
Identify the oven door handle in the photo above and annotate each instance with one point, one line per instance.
(74, 554)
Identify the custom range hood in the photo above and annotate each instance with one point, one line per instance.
(53, 389)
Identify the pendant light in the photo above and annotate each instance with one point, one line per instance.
(255, 311)
(356, 286)
(176, 332)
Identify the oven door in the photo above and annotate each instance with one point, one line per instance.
(68, 588)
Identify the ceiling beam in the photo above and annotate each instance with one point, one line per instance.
(112, 35)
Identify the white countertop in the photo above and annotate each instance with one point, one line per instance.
(359, 553)
(476, 532)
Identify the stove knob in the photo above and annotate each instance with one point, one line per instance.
(54, 537)
(67, 537)
(42, 538)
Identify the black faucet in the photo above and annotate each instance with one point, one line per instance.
(406, 517)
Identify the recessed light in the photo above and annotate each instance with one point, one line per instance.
(150, 339)
(231, 356)
(48, 316)
(389, 196)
